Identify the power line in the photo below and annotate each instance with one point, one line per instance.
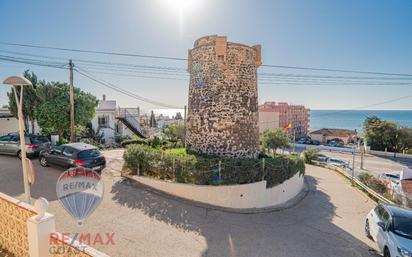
(335, 70)
(366, 106)
(94, 52)
(185, 59)
(123, 91)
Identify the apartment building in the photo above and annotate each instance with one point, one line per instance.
(294, 118)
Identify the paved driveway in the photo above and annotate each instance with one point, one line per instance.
(328, 222)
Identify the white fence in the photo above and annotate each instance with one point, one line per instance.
(246, 196)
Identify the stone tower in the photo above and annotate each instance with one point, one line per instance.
(223, 108)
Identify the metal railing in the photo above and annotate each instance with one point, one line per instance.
(131, 119)
(356, 181)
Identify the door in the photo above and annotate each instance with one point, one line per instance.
(373, 223)
(3, 142)
(54, 155)
(12, 146)
(68, 157)
(381, 236)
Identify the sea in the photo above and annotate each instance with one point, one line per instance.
(353, 119)
(345, 119)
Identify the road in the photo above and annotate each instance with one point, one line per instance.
(327, 222)
(373, 164)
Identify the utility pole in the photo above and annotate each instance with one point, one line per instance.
(353, 162)
(72, 134)
(184, 124)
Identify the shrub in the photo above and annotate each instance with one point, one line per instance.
(372, 182)
(119, 138)
(179, 165)
(310, 155)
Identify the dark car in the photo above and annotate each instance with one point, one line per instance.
(10, 144)
(73, 155)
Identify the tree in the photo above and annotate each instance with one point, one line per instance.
(405, 139)
(382, 134)
(274, 139)
(53, 114)
(174, 132)
(30, 101)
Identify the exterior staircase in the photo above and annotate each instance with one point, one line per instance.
(130, 121)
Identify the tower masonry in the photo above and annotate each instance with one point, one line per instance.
(223, 107)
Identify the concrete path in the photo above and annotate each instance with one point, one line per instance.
(328, 222)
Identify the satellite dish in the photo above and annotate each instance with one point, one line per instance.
(80, 191)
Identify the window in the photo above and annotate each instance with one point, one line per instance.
(92, 153)
(5, 138)
(14, 139)
(57, 149)
(68, 151)
(39, 140)
(103, 121)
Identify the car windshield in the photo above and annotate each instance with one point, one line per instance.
(91, 153)
(402, 226)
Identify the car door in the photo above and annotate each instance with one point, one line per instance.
(3, 143)
(53, 156)
(68, 157)
(12, 146)
(382, 233)
(373, 223)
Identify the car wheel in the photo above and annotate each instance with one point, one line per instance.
(43, 161)
(386, 252)
(367, 230)
(19, 154)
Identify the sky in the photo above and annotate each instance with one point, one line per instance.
(366, 35)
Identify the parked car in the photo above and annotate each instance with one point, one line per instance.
(391, 228)
(338, 163)
(315, 142)
(73, 155)
(323, 158)
(391, 177)
(10, 144)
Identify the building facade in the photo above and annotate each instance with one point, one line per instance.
(108, 120)
(326, 134)
(274, 115)
(223, 108)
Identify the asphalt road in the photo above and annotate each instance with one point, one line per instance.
(373, 164)
(327, 222)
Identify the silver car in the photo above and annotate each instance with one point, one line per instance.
(391, 228)
(10, 144)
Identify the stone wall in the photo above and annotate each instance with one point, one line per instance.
(223, 107)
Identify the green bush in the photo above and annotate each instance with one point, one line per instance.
(372, 182)
(310, 155)
(119, 138)
(179, 165)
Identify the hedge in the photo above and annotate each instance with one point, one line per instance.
(183, 167)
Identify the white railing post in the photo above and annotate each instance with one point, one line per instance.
(39, 229)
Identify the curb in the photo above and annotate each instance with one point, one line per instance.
(287, 205)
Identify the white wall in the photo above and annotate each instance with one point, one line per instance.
(11, 125)
(254, 195)
(8, 125)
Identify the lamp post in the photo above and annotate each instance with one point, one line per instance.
(16, 81)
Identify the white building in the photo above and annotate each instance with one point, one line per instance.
(9, 124)
(112, 120)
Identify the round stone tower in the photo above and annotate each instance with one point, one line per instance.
(223, 108)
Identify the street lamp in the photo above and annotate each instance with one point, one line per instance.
(16, 81)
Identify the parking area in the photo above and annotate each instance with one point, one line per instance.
(327, 222)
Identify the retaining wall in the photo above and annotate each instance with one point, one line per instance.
(246, 196)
